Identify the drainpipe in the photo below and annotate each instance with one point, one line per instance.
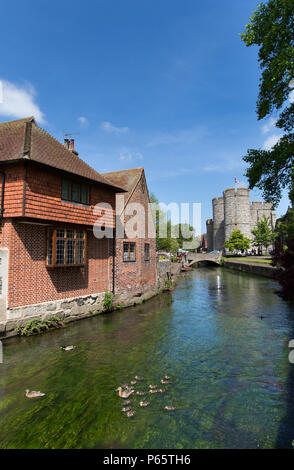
(113, 261)
(2, 195)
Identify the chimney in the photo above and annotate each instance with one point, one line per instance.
(66, 143)
(72, 144)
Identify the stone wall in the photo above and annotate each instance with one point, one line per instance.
(259, 269)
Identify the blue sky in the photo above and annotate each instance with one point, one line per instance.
(164, 84)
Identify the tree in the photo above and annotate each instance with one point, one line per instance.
(186, 238)
(271, 28)
(237, 241)
(283, 259)
(167, 243)
(263, 234)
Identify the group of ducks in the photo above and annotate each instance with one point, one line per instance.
(125, 391)
(34, 393)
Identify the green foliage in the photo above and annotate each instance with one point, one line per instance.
(168, 283)
(285, 226)
(107, 301)
(263, 234)
(38, 326)
(237, 241)
(176, 235)
(271, 28)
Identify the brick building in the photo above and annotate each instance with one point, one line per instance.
(135, 269)
(50, 261)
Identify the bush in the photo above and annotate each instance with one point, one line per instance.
(107, 301)
(38, 326)
(168, 283)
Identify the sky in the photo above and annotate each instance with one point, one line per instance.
(163, 84)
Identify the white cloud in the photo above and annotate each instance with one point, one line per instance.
(271, 141)
(108, 127)
(83, 121)
(19, 102)
(268, 126)
(129, 156)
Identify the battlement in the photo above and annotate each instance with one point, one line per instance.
(236, 192)
(262, 205)
(217, 200)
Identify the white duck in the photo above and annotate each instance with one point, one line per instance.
(34, 394)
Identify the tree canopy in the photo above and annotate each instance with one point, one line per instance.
(271, 28)
(237, 241)
(177, 236)
(263, 234)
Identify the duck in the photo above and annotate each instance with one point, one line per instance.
(126, 408)
(167, 377)
(140, 393)
(152, 386)
(144, 403)
(34, 394)
(164, 382)
(68, 348)
(170, 408)
(162, 390)
(127, 402)
(139, 378)
(153, 390)
(124, 393)
(130, 413)
(133, 382)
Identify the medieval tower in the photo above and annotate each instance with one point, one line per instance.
(232, 212)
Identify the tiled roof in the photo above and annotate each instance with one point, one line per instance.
(25, 140)
(127, 179)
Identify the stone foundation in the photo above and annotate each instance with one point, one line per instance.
(77, 308)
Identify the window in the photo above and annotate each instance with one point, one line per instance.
(66, 247)
(129, 252)
(75, 192)
(147, 252)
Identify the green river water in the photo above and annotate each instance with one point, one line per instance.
(232, 383)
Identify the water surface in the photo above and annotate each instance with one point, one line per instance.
(232, 382)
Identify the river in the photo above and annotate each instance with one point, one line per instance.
(231, 380)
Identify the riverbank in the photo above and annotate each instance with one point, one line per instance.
(251, 267)
(72, 309)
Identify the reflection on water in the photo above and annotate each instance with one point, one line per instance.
(231, 380)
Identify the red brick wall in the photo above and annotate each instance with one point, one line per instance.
(31, 282)
(138, 276)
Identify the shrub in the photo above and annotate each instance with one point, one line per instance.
(107, 301)
(38, 326)
(168, 283)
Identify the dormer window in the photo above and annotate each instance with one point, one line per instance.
(73, 191)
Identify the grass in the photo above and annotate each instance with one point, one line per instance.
(251, 260)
